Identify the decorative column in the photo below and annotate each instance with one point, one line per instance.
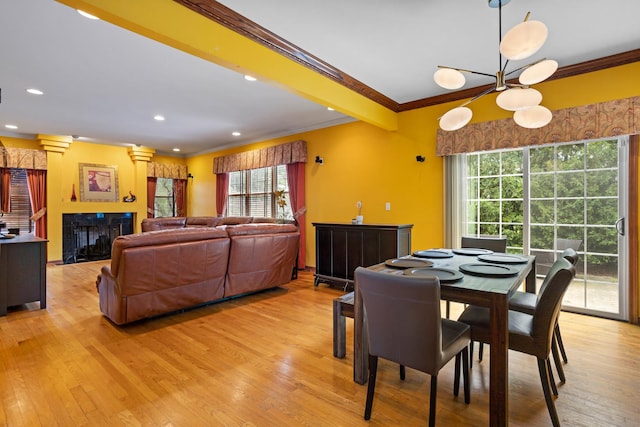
(55, 146)
(140, 156)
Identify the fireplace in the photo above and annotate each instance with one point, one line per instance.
(89, 236)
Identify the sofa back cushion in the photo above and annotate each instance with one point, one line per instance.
(152, 224)
(234, 220)
(261, 256)
(151, 240)
(202, 221)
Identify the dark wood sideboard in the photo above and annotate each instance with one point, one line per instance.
(23, 276)
(341, 248)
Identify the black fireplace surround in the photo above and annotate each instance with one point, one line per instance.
(89, 236)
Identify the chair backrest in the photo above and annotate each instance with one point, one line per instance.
(402, 315)
(555, 285)
(495, 244)
(571, 255)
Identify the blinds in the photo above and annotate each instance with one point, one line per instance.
(20, 204)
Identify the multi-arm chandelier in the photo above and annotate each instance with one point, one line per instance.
(520, 42)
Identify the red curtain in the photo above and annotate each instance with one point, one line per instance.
(37, 184)
(222, 191)
(5, 190)
(151, 196)
(180, 195)
(295, 179)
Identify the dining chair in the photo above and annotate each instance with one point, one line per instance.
(531, 333)
(495, 244)
(404, 325)
(526, 302)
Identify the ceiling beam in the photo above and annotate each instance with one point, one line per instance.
(175, 25)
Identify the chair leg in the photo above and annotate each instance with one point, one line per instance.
(402, 372)
(373, 370)
(456, 375)
(552, 380)
(560, 343)
(556, 359)
(480, 351)
(543, 369)
(471, 355)
(465, 375)
(432, 401)
(447, 309)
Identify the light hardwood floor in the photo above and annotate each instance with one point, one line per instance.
(266, 360)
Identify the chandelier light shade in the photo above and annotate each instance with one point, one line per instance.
(523, 40)
(534, 117)
(517, 98)
(520, 42)
(538, 72)
(456, 118)
(449, 78)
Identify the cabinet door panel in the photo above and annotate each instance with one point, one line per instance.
(354, 252)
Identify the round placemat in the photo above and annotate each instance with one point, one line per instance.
(407, 263)
(445, 275)
(434, 253)
(488, 270)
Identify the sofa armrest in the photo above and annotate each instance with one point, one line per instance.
(111, 304)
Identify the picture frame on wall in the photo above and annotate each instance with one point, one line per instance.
(98, 183)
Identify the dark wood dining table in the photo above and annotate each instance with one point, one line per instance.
(491, 292)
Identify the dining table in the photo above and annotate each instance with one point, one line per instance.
(487, 290)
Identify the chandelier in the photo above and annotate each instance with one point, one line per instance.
(520, 42)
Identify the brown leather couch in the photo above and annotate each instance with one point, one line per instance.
(163, 271)
(152, 224)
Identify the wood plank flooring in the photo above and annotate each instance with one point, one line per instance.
(266, 360)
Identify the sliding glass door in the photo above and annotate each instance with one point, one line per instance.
(549, 198)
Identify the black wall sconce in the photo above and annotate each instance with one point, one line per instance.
(190, 175)
(319, 160)
(420, 158)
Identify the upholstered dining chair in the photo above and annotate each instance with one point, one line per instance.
(495, 244)
(526, 302)
(531, 333)
(404, 324)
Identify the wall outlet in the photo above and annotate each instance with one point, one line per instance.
(387, 206)
(359, 204)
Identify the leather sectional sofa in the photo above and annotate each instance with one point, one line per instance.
(182, 266)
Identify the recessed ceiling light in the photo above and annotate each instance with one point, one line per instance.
(176, 149)
(250, 78)
(235, 133)
(86, 15)
(330, 109)
(159, 118)
(11, 126)
(34, 91)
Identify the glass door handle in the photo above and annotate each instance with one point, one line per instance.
(620, 226)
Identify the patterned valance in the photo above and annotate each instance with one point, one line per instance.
(23, 158)
(293, 152)
(602, 120)
(161, 170)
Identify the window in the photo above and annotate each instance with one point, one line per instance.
(20, 203)
(548, 198)
(253, 193)
(165, 203)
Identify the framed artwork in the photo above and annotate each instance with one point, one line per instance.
(98, 183)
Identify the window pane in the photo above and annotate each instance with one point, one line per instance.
(489, 211)
(489, 164)
(602, 154)
(542, 211)
(541, 159)
(542, 186)
(490, 188)
(512, 187)
(570, 184)
(602, 183)
(512, 162)
(602, 211)
(570, 211)
(164, 205)
(570, 157)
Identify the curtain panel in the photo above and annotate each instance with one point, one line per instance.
(283, 154)
(37, 183)
(602, 120)
(222, 190)
(180, 194)
(296, 181)
(151, 196)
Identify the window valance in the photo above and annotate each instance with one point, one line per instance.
(293, 152)
(602, 120)
(23, 158)
(162, 170)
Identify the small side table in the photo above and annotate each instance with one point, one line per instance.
(342, 308)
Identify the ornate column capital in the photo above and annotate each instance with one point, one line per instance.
(55, 143)
(143, 154)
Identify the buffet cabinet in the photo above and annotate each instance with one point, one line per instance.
(341, 248)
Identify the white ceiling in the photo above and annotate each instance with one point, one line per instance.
(105, 83)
